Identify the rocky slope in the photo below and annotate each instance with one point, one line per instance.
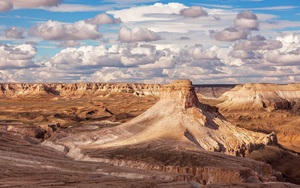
(265, 108)
(262, 97)
(28, 165)
(175, 129)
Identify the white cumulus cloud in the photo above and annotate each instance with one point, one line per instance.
(257, 43)
(6, 5)
(14, 32)
(17, 56)
(137, 34)
(194, 12)
(103, 19)
(246, 20)
(54, 30)
(229, 34)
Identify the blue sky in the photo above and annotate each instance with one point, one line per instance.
(210, 41)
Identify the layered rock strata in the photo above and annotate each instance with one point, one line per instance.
(76, 89)
(262, 97)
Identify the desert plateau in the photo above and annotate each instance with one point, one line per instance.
(149, 135)
(149, 93)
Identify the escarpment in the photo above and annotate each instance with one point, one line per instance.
(262, 97)
(76, 89)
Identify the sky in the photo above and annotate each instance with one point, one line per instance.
(149, 41)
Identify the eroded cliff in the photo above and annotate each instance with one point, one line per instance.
(76, 89)
(262, 97)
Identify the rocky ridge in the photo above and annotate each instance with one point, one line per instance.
(262, 97)
(75, 89)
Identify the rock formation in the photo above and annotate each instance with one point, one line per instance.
(262, 97)
(177, 135)
(179, 139)
(75, 89)
(179, 117)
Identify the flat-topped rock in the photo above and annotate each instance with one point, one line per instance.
(181, 83)
(181, 91)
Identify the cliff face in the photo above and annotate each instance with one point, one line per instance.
(76, 89)
(262, 96)
(181, 91)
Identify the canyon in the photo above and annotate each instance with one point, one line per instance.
(155, 135)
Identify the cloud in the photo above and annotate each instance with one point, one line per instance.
(284, 59)
(243, 54)
(193, 12)
(18, 56)
(241, 59)
(109, 74)
(143, 13)
(195, 73)
(280, 8)
(85, 58)
(229, 34)
(295, 52)
(5, 5)
(246, 20)
(35, 3)
(129, 1)
(184, 38)
(163, 62)
(289, 37)
(289, 53)
(14, 32)
(113, 74)
(77, 8)
(257, 43)
(147, 56)
(140, 61)
(53, 30)
(137, 34)
(90, 58)
(103, 19)
(197, 52)
(197, 56)
(69, 43)
(216, 6)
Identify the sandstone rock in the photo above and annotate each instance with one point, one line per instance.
(76, 89)
(27, 130)
(261, 97)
